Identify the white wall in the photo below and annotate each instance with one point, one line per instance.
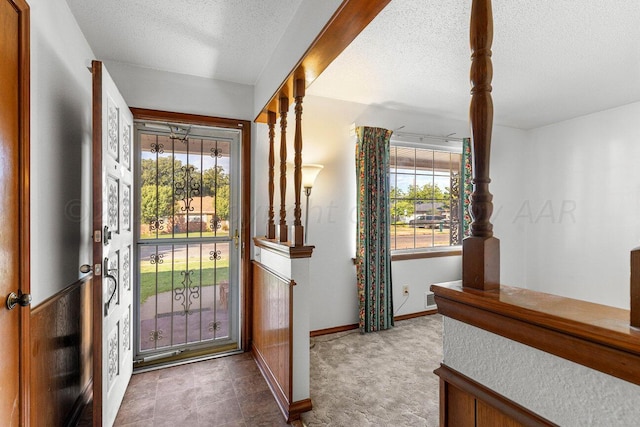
(161, 90)
(583, 194)
(332, 223)
(60, 149)
(564, 392)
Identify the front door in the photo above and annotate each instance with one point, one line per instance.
(14, 212)
(112, 254)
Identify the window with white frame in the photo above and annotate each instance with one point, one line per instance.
(425, 196)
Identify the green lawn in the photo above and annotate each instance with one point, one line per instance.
(149, 280)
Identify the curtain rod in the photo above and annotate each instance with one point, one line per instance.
(425, 136)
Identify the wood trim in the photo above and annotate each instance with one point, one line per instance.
(192, 119)
(245, 226)
(416, 314)
(24, 88)
(592, 335)
(351, 17)
(290, 411)
(635, 288)
(345, 328)
(499, 402)
(96, 70)
(333, 330)
(62, 337)
(284, 249)
(81, 403)
(421, 255)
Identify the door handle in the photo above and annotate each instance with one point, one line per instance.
(20, 299)
(109, 276)
(236, 238)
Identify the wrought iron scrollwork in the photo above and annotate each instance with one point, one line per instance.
(157, 148)
(187, 188)
(156, 258)
(185, 293)
(215, 223)
(157, 224)
(215, 256)
(156, 335)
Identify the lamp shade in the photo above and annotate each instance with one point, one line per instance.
(309, 174)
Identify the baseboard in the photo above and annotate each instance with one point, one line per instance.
(290, 410)
(414, 315)
(80, 404)
(333, 330)
(345, 328)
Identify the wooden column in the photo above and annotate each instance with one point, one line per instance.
(481, 251)
(284, 109)
(635, 288)
(271, 225)
(298, 229)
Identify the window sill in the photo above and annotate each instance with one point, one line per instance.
(405, 256)
(449, 251)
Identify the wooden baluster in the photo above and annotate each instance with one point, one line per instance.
(284, 109)
(298, 229)
(271, 225)
(481, 251)
(635, 288)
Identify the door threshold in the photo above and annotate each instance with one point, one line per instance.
(184, 357)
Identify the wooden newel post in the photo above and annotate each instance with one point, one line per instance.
(284, 109)
(271, 225)
(481, 251)
(298, 229)
(635, 288)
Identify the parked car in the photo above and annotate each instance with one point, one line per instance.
(428, 221)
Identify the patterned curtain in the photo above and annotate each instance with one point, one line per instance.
(467, 186)
(374, 219)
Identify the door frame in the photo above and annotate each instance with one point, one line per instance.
(245, 196)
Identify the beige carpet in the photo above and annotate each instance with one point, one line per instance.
(377, 379)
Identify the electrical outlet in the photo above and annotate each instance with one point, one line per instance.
(405, 290)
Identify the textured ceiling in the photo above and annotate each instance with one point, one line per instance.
(553, 59)
(228, 40)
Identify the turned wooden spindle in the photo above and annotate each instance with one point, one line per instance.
(635, 288)
(284, 109)
(298, 229)
(271, 225)
(481, 251)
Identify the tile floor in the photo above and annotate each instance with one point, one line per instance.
(228, 391)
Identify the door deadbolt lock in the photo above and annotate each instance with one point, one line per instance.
(20, 299)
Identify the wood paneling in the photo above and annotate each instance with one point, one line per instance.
(272, 333)
(272, 340)
(61, 370)
(464, 402)
(592, 335)
(351, 17)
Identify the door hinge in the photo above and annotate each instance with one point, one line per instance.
(97, 236)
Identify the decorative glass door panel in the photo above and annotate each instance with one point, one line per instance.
(188, 255)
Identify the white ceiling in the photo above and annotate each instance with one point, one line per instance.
(229, 40)
(553, 59)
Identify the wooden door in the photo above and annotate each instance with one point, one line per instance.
(112, 251)
(14, 210)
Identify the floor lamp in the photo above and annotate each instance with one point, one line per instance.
(309, 174)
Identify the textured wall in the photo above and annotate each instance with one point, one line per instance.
(557, 389)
